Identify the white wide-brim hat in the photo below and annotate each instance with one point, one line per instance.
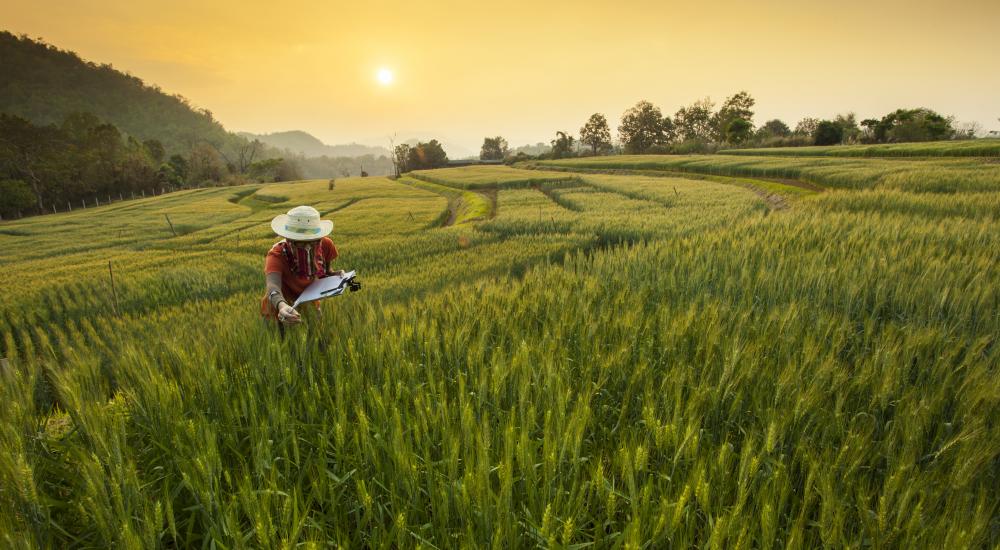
(301, 223)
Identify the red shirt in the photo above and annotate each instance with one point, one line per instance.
(291, 283)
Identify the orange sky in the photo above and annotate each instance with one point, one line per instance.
(523, 70)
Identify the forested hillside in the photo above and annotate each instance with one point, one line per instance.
(44, 84)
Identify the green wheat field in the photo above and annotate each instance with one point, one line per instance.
(721, 351)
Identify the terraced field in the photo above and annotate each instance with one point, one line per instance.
(712, 351)
(954, 148)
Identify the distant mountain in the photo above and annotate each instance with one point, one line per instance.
(534, 150)
(43, 84)
(304, 143)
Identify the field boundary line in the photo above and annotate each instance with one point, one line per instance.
(775, 191)
(464, 205)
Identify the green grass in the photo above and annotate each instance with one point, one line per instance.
(917, 176)
(463, 206)
(478, 177)
(607, 361)
(964, 148)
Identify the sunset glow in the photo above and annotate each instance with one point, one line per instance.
(384, 76)
(530, 69)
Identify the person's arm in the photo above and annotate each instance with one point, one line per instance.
(286, 313)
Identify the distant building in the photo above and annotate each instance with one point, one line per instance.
(993, 134)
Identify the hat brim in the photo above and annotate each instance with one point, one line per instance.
(278, 226)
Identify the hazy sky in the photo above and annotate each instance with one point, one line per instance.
(464, 70)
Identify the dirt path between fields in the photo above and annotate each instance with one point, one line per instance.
(491, 195)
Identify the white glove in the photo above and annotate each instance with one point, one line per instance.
(288, 315)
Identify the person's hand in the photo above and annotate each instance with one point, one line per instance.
(288, 315)
(338, 273)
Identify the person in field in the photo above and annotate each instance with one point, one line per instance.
(304, 255)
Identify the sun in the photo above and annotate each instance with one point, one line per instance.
(384, 76)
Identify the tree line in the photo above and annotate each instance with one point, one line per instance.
(83, 160)
(422, 156)
(701, 128)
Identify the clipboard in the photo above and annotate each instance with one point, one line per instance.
(327, 287)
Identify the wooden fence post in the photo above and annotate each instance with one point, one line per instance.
(114, 293)
(171, 224)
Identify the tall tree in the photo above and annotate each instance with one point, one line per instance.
(400, 158)
(562, 146)
(738, 106)
(246, 153)
(15, 197)
(156, 150)
(828, 132)
(494, 148)
(695, 121)
(596, 133)
(205, 165)
(642, 127)
(775, 128)
(32, 154)
(806, 126)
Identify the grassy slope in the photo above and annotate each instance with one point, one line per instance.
(477, 177)
(934, 176)
(966, 148)
(463, 206)
(615, 359)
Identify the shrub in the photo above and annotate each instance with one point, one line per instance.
(828, 133)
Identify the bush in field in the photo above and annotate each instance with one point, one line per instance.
(692, 147)
(828, 132)
(793, 140)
